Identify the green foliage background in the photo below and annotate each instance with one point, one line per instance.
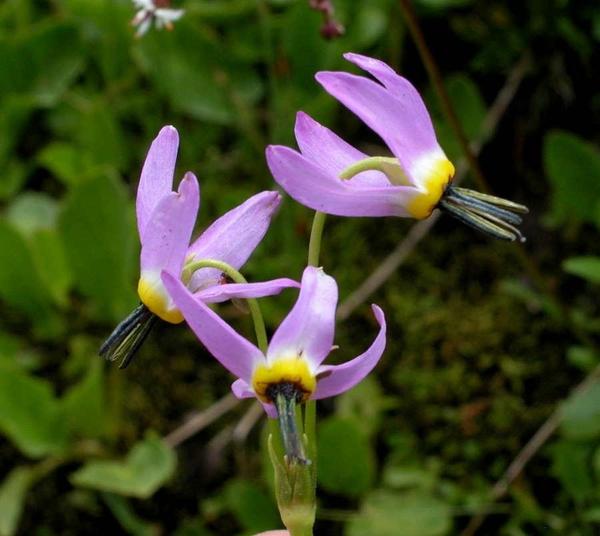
(485, 340)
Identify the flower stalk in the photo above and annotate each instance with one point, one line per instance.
(236, 277)
(316, 235)
(295, 487)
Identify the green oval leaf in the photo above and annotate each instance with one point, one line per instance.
(346, 462)
(146, 468)
(97, 231)
(408, 514)
(573, 167)
(30, 414)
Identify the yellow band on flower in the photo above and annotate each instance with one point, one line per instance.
(293, 370)
(153, 295)
(435, 178)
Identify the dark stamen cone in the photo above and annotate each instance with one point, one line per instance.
(285, 396)
(126, 339)
(491, 215)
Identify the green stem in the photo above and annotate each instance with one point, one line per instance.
(316, 233)
(237, 277)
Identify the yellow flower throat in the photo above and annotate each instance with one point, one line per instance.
(294, 370)
(153, 295)
(434, 185)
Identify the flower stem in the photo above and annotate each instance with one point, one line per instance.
(316, 233)
(237, 277)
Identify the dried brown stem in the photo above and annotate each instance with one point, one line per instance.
(531, 448)
(201, 420)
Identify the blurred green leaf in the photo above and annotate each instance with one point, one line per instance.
(105, 31)
(596, 462)
(368, 24)
(13, 177)
(66, 162)
(581, 414)
(83, 404)
(586, 267)
(255, 511)
(13, 491)
(306, 52)
(192, 527)
(149, 464)
(439, 5)
(125, 515)
(41, 64)
(31, 211)
(30, 414)
(14, 113)
(573, 167)
(470, 109)
(346, 462)
(408, 514)
(187, 66)
(364, 403)
(20, 282)
(405, 477)
(571, 464)
(97, 231)
(99, 135)
(592, 515)
(35, 214)
(50, 258)
(531, 297)
(583, 357)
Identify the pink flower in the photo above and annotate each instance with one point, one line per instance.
(166, 220)
(297, 349)
(331, 176)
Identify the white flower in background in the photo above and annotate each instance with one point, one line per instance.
(157, 11)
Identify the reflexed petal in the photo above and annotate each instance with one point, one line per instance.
(330, 152)
(341, 378)
(403, 130)
(241, 389)
(234, 236)
(156, 180)
(227, 291)
(310, 185)
(308, 329)
(169, 229)
(232, 350)
(270, 410)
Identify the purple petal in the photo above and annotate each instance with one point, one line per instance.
(405, 127)
(309, 327)
(340, 378)
(169, 228)
(398, 86)
(156, 180)
(234, 236)
(227, 291)
(310, 185)
(330, 152)
(242, 390)
(233, 351)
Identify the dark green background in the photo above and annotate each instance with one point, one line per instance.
(485, 340)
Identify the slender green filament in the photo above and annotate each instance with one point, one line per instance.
(236, 277)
